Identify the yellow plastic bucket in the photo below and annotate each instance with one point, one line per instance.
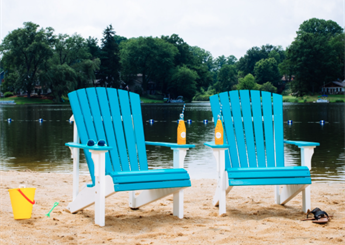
(22, 200)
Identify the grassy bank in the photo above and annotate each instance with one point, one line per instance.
(312, 98)
(159, 99)
(25, 100)
(35, 100)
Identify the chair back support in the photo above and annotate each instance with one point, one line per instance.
(114, 116)
(253, 128)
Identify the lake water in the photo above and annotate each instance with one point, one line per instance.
(27, 144)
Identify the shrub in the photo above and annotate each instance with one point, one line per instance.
(8, 94)
(138, 90)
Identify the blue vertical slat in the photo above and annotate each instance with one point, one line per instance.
(108, 125)
(82, 129)
(98, 123)
(118, 126)
(215, 107)
(229, 129)
(248, 127)
(278, 129)
(259, 133)
(236, 112)
(129, 132)
(267, 111)
(214, 100)
(139, 130)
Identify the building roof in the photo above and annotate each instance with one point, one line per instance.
(335, 84)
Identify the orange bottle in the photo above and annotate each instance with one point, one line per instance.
(181, 131)
(219, 131)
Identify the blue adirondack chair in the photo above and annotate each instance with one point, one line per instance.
(253, 149)
(121, 165)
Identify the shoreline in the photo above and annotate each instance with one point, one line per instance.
(251, 218)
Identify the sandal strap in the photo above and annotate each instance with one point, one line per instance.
(313, 212)
(320, 214)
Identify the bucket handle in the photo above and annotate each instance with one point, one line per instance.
(32, 202)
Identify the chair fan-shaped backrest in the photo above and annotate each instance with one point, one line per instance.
(114, 116)
(253, 124)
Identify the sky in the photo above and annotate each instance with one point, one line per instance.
(222, 27)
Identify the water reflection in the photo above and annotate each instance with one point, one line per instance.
(27, 144)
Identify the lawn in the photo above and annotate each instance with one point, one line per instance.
(26, 100)
(311, 98)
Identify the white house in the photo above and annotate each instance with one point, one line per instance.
(334, 87)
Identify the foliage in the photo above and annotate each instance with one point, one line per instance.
(314, 61)
(8, 94)
(253, 55)
(227, 77)
(25, 52)
(319, 26)
(183, 83)
(151, 57)
(110, 60)
(337, 46)
(203, 95)
(267, 70)
(268, 87)
(203, 65)
(119, 39)
(94, 49)
(61, 79)
(247, 83)
(184, 55)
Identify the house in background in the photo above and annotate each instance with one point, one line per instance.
(335, 87)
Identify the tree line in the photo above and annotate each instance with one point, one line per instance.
(34, 56)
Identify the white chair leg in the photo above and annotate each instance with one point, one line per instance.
(98, 158)
(306, 204)
(276, 194)
(178, 204)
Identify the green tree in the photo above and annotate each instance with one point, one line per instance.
(267, 70)
(337, 45)
(319, 26)
(227, 78)
(231, 60)
(25, 52)
(203, 64)
(151, 57)
(184, 55)
(247, 83)
(110, 60)
(61, 79)
(286, 68)
(119, 39)
(253, 55)
(268, 87)
(314, 62)
(94, 49)
(73, 52)
(183, 83)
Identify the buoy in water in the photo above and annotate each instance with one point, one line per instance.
(40, 120)
(189, 121)
(151, 121)
(205, 121)
(289, 122)
(9, 120)
(322, 122)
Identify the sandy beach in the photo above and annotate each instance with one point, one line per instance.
(251, 218)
